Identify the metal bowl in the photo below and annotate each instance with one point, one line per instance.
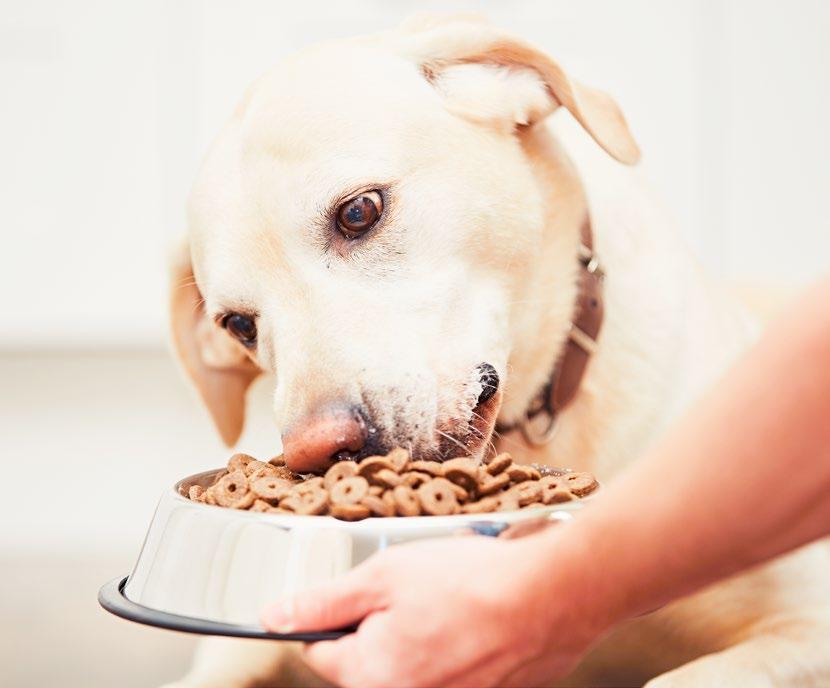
(207, 569)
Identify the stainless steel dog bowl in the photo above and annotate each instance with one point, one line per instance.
(206, 569)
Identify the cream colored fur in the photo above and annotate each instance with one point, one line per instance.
(476, 261)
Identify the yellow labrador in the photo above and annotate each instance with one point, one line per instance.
(391, 226)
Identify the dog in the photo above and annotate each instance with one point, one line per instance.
(394, 228)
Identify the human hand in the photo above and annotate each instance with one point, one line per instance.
(466, 611)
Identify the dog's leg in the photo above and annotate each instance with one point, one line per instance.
(786, 652)
(235, 663)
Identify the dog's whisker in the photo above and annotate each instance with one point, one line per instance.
(186, 278)
(478, 433)
(452, 439)
(478, 415)
(496, 435)
(198, 305)
(492, 447)
(185, 285)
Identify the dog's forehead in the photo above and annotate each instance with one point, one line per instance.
(333, 97)
(326, 119)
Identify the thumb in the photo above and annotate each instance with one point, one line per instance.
(339, 603)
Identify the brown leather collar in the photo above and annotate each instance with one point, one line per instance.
(573, 359)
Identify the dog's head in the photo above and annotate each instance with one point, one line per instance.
(370, 227)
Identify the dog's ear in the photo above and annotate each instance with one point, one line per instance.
(216, 365)
(490, 76)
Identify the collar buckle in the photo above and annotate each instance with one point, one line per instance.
(590, 261)
(535, 436)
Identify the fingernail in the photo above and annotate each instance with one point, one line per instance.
(280, 617)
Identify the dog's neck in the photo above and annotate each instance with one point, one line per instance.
(539, 422)
(546, 304)
(648, 363)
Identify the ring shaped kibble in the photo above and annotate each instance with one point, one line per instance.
(432, 468)
(406, 501)
(491, 484)
(338, 472)
(507, 501)
(306, 501)
(560, 495)
(378, 505)
(499, 463)
(554, 490)
(580, 484)
(415, 479)
(255, 466)
(462, 472)
(391, 485)
(482, 506)
(221, 474)
(349, 490)
(460, 493)
(261, 506)
(527, 492)
(373, 464)
(535, 474)
(389, 497)
(232, 491)
(350, 512)
(386, 477)
(519, 473)
(312, 481)
(398, 457)
(239, 461)
(437, 497)
(271, 488)
(196, 493)
(284, 473)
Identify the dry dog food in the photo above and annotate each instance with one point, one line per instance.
(392, 485)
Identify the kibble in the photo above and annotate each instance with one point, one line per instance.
(233, 491)
(391, 485)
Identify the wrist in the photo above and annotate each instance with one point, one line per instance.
(575, 588)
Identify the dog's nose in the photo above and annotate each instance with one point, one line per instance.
(489, 379)
(312, 444)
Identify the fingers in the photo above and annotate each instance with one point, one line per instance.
(331, 658)
(342, 602)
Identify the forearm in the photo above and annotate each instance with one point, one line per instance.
(744, 477)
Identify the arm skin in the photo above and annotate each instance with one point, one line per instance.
(745, 476)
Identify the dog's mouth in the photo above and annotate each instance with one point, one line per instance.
(457, 437)
(472, 436)
(468, 437)
(428, 427)
(468, 432)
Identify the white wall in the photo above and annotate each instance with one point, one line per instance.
(106, 108)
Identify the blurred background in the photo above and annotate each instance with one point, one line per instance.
(106, 108)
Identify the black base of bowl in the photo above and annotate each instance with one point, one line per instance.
(111, 597)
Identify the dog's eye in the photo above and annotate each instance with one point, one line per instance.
(359, 214)
(242, 327)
